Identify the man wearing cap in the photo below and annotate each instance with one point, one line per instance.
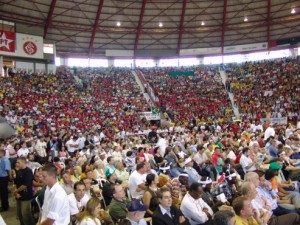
(5, 176)
(136, 211)
(193, 174)
(106, 190)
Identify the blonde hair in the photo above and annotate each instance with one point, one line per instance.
(90, 208)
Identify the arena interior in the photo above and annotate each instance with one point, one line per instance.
(170, 112)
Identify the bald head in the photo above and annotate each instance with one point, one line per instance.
(252, 177)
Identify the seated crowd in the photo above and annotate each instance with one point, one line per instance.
(266, 89)
(74, 162)
(184, 98)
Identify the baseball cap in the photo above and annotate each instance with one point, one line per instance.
(275, 166)
(109, 172)
(136, 205)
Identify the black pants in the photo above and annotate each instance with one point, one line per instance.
(4, 192)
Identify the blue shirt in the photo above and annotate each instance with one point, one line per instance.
(4, 166)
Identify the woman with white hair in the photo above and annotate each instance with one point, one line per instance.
(98, 172)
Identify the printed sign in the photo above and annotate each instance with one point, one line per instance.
(7, 41)
(282, 120)
(151, 116)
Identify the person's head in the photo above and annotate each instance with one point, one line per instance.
(49, 174)
(30, 157)
(252, 177)
(118, 192)
(196, 190)
(224, 217)
(242, 207)
(92, 208)
(151, 179)
(120, 166)
(261, 176)
(110, 160)
(79, 190)
(136, 210)
(99, 165)
(141, 167)
(164, 197)
(111, 175)
(22, 162)
(248, 190)
(66, 176)
(269, 174)
(200, 149)
(245, 151)
(89, 173)
(87, 182)
(2, 152)
(188, 162)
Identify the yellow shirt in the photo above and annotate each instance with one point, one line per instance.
(242, 221)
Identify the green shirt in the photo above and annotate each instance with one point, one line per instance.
(117, 209)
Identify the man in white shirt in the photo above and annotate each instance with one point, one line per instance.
(23, 151)
(193, 174)
(270, 131)
(77, 200)
(137, 181)
(72, 145)
(56, 205)
(246, 162)
(81, 140)
(162, 143)
(194, 208)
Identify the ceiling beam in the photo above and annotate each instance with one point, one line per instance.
(95, 26)
(224, 25)
(181, 28)
(268, 22)
(139, 28)
(49, 17)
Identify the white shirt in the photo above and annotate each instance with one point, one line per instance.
(246, 161)
(23, 152)
(72, 142)
(269, 132)
(162, 143)
(81, 141)
(56, 205)
(193, 209)
(90, 221)
(135, 179)
(200, 158)
(40, 147)
(75, 206)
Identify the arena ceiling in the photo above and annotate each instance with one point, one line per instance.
(89, 27)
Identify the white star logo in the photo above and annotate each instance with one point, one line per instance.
(4, 41)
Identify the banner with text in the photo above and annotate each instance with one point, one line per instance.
(151, 116)
(246, 48)
(282, 120)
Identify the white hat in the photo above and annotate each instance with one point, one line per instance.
(164, 167)
(205, 182)
(187, 160)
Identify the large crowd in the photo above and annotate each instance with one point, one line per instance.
(200, 96)
(83, 156)
(266, 89)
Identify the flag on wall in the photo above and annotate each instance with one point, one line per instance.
(7, 41)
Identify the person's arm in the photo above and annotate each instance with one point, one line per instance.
(146, 200)
(47, 222)
(141, 186)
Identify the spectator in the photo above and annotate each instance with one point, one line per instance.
(136, 212)
(56, 204)
(194, 208)
(225, 217)
(5, 176)
(166, 213)
(117, 207)
(90, 215)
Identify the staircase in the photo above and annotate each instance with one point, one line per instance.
(231, 96)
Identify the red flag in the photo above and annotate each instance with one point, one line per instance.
(7, 41)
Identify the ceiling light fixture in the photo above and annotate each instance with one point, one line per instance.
(293, 11)
(246, 19)
(202, 23)
(160, 24)
(118, 23)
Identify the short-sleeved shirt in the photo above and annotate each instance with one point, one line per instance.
(24, 177)
(4, 166)
(135, 179)
(56, 205)
(75, 206)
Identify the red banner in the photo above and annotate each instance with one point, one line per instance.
(7, 41)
